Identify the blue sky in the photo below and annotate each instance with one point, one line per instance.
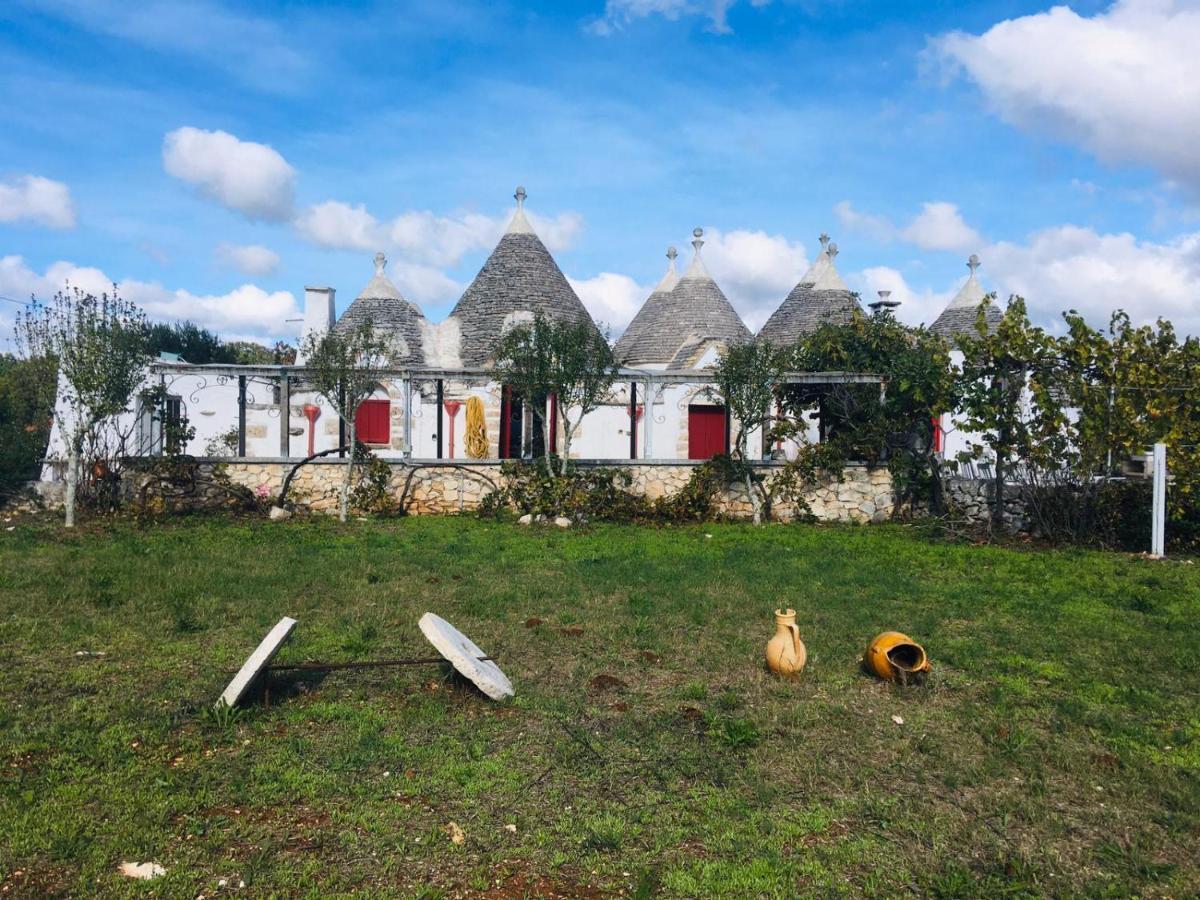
(215, 157)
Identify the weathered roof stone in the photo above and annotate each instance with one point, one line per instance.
(673, 316)
(961, 314)
(820, 296)
(400, 321)
(519, 279)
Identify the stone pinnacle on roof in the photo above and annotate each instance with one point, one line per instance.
(961, 314)
(821, 295)
(520, 278)
(519, 224)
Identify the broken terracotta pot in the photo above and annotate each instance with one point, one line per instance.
(893, 656)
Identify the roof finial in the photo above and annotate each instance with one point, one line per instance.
(520, 196)
(671, 254)
(832, 250)
(380, 263)
(698, 242)
(973, 263)
(824, 239)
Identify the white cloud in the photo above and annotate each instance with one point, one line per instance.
(619, 13)
(37, 199)
(1068, 267)
(940, 226)
(242, 175)
(755, 270)
(612, 299)
(340, 226)
(879, 228)
(422, 236)
(249, 259)
(1124, 83)
(246, 311)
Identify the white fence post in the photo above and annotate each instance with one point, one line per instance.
(1158, 526)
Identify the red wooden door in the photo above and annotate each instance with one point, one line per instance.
(706, 431)
(373, 422)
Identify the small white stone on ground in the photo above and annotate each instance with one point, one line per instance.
(278, 514)
(143, 871)
(526, 519)
(511, 827)
(562, 522)
(899, 720)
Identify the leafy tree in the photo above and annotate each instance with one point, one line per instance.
(194, 344)
(26, 413)
(570, 361)
(101, 350)
(860, 422)
(747, 377)
(1010, 388)
(345, 368)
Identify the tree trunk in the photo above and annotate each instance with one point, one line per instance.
(547, 447)
(755, 500)
(566, 454)
(344, 504)
(72, 481)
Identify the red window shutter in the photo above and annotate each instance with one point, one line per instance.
(372, 422)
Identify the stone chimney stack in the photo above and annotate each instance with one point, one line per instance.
(318, 316)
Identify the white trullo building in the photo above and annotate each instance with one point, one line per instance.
(662, 407)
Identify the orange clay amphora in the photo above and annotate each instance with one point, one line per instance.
(786, 655)
(893, 656)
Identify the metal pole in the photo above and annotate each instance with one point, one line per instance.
(285, 420)
(440, 389)
(1158, 531)
(341, 424)
(633, 420)
(241, 447)
(408, 397)
(647, 419)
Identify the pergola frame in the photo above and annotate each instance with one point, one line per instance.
(651, 382)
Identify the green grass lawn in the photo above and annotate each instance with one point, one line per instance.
(1055, 750)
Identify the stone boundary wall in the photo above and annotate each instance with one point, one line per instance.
(971, 498)
(440, 487)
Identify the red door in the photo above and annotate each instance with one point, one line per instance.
(373, 422)
(706, 431)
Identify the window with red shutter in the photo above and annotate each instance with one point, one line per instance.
(373, 422)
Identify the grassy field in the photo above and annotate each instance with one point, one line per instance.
(1055, 751)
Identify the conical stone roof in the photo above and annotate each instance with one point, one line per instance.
(820, 296)
(397, 319)
(519, 279)
(638, 345)
(961, 314)
(695, 308)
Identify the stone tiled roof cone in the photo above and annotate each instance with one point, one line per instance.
(519, 280)
(960, 316)
(693, 309)
(820, 296)
(399, 320)
(636, 347)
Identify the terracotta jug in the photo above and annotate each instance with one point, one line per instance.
(785, 652)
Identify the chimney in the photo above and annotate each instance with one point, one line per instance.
(318, 316)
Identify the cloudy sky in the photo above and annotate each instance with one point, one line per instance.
(213, 160)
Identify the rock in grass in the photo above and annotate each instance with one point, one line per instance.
(278, 514)
(526, 519)
(562, 522)
(142, 871)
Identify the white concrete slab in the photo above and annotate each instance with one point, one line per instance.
(464, 655)
(259, 659)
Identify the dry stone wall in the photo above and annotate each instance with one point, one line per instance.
(863, 495)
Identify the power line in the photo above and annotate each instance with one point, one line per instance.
(18, 302)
